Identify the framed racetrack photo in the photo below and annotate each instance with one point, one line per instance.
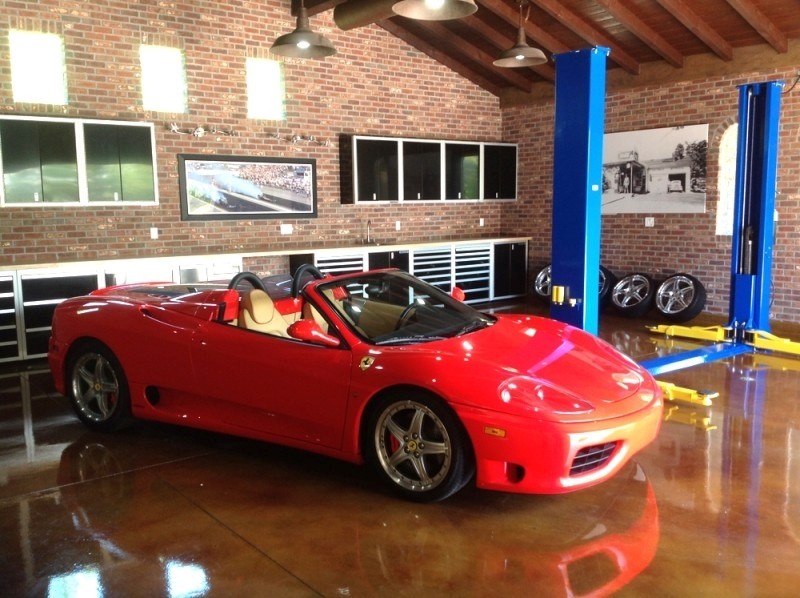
(242, 187)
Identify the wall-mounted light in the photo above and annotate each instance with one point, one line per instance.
(521, 54)
(434, 10)
(200, 131)
(302, 42)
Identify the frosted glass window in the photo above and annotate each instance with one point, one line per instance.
(265, 89)
(38, 70)
(727, 179)
(163, 79)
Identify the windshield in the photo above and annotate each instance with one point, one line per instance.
(393, 307)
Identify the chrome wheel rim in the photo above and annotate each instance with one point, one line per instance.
(413, 446)
(631, 290)
(95, 387)
(675, 295)
(542, 283)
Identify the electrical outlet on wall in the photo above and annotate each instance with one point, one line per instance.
(397, 225)
(649, 222)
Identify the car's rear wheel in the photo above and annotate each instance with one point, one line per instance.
(417, 445)
(98, 388)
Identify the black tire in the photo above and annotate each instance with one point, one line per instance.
(607, 282)
(680, 298)
(434, 454)
(632, 296)
(98, 388)
(541, 285)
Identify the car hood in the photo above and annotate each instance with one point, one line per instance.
(541, 367)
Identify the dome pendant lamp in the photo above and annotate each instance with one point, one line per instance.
(521, 54)
(302, 42)
(434, 10)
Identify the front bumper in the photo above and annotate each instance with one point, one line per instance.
(540, 457)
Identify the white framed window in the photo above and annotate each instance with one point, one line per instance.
(38, 68)
(47, 161)
(163, 79)
(266, 92)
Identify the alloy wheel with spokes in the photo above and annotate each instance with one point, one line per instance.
(633, 295)
(98, 388)
(680, 297)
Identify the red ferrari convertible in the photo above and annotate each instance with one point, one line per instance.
(378, 367)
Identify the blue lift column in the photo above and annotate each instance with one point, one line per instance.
(754, 211)
(578, 186)
(753, 237)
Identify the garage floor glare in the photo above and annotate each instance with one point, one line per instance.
(711, 508)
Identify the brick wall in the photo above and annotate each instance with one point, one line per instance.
(678, 242)
(376, 84)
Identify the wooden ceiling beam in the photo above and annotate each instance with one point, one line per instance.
(454, 65)
(314, 7)
(762, 24)
(694, 23)
(643, 31)
(585, 30)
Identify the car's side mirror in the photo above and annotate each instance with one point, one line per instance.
(458, 294)
(309, 330)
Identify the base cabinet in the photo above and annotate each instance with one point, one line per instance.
(486, 270)
(510, 269)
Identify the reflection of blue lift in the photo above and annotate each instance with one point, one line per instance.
(753, 236)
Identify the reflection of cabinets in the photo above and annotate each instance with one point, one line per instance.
(389, 169)
(470, 265)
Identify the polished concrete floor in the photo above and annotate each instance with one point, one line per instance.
(711, 508)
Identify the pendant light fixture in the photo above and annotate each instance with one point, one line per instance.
(302, 42)
(434, 10)
(521, 54)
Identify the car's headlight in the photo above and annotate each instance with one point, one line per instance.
(528, 394)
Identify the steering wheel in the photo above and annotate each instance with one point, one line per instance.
(407, 313)
(254, 280)
(298, 275)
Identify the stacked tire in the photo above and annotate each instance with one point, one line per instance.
(678, 298)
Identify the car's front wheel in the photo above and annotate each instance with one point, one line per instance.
(417, 445)
(98, 388)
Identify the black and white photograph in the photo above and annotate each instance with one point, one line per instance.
(655, 171)
(239, 187)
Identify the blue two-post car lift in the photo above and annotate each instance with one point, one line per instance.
(577, 191)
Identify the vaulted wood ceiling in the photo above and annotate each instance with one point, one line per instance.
(639, 33)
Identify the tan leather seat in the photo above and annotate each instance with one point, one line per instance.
(257, 312)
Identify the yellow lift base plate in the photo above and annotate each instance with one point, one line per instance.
(673, 392)
(754, 338)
